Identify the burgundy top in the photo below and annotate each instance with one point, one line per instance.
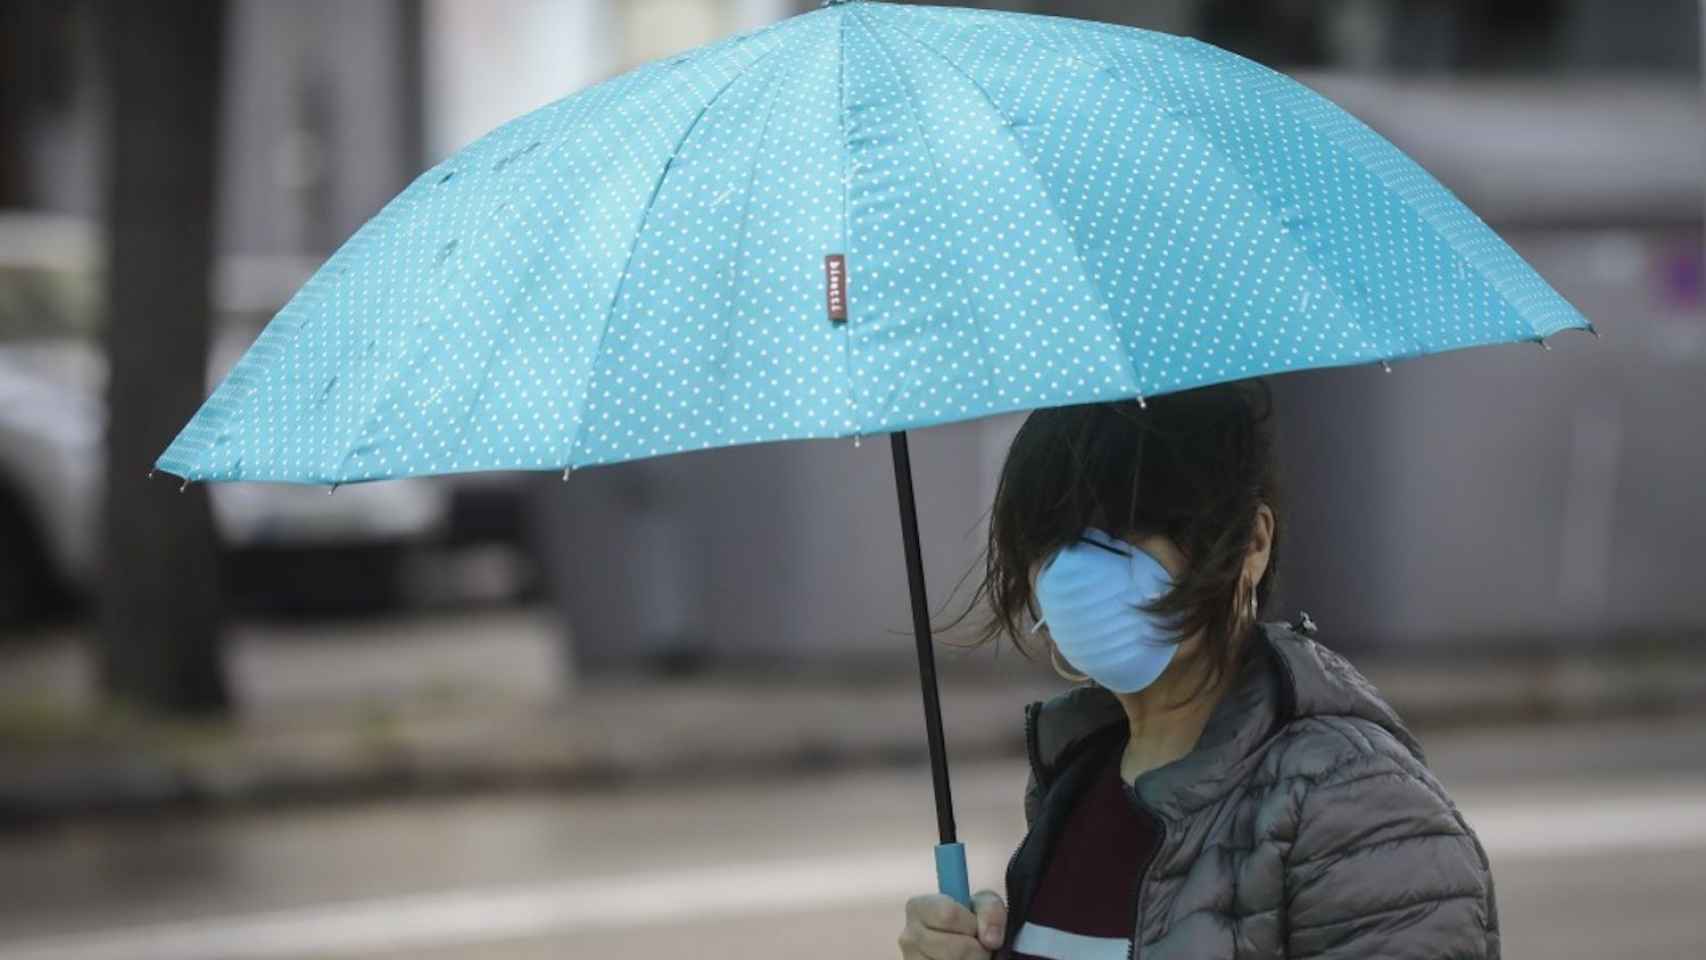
(1085, 906)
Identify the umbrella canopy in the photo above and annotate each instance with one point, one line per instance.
(863, 219)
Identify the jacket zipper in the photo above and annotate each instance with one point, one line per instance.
(1154, 854)
(1031, 712)
(1008, 936)
(1161, 831)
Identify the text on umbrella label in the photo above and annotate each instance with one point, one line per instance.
(835, 270)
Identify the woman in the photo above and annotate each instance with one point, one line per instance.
(1219, 787)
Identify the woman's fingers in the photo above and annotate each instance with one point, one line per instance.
(991, 917)
(927, 944)
(938, 928)
(940, 912)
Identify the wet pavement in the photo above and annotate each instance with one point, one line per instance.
(1597, 833)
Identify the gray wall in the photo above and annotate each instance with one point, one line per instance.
(780, 551)
(1510, 495)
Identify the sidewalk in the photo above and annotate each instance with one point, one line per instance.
(483, 702)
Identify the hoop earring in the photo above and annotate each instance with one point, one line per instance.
(1054, 661)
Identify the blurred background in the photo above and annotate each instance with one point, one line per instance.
(669, 707)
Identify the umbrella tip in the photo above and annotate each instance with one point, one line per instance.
(185, 485)
(332, 489)
(566, 472)
(1386, 366)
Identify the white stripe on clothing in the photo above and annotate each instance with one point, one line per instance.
(1040, 941)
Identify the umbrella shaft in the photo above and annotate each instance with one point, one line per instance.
(921, 633)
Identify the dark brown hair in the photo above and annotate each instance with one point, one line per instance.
(1193, 466)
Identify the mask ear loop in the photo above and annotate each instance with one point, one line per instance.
(1062, 672)
(1054, 659)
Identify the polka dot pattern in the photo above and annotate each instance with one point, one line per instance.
(1034, 211)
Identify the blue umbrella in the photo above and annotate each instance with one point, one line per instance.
(865, 219)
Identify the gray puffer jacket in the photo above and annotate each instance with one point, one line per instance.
(1303, 824)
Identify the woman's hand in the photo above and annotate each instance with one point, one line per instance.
(938, 928)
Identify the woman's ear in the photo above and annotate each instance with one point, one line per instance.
(1261, 543)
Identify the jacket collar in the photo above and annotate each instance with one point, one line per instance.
(1285, 675)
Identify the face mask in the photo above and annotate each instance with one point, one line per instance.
(1089, 592)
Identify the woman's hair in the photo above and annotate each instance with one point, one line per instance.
(1192, 466)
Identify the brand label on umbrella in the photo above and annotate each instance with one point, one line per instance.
(835, 271)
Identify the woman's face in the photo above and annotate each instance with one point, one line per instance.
(1161, 548)
(1170, 557)
(1172, 560)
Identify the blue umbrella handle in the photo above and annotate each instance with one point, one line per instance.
(951, 872)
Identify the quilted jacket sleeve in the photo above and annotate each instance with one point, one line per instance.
(1382, 865)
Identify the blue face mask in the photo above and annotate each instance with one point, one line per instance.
(1089, 592)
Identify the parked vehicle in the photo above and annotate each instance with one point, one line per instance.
(344, 552)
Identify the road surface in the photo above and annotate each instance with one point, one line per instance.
(1597, 834)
